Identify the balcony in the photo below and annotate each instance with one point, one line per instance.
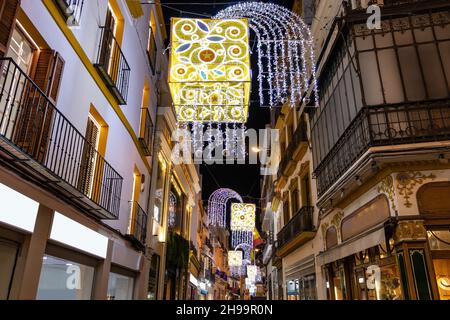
(295, 150)
(386, 125)
(137, 230)
(296, 232)
(39, 143)
(113, 66)
(146, 140)
(71, 10)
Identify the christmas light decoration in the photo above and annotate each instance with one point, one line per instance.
(234, 258)
(242, 217)
(172, 209)
(217, 206)
(210, 81)
(285, 52)
(251, 272)
(209, 73)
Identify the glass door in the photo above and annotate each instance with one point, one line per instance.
(21, 50)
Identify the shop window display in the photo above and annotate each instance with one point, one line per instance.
(439, 241)
(376, 275)
(120, 287)
(65, 280)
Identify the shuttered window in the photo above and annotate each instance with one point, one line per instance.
(8, 12)
(89, 157)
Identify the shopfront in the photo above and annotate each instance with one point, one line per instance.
(434, 208)
(363, 265)
(301, 280)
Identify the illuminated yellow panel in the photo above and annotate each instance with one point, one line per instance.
(234, 258)
(210, 73)
(243, 217)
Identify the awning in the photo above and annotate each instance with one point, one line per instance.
(371, 238)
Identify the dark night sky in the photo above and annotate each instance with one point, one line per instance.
(245, 179)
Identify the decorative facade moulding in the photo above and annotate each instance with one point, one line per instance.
(407, 181)
(410, 230)
(386, 186)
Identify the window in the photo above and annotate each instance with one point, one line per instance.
(64, 280)
(152, 49)
(120, 287)
(160, 186)
(286, 215)
(21, 50)
(306, 191)
(8, 257)
(152, 290)
(90, 156)
(294, 199)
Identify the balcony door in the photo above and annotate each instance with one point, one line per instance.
(21, 50)
(90, 158)
(109, 49)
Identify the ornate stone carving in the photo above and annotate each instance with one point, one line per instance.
(406, 181)
(410, 230)
(336, 220)
(324, 228)
(387, 187)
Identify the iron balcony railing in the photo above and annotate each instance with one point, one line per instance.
(298, 137)
(384, 126)
(301, 222)
(112, 65)
(72, 10)
(147, 139)
(138, 224)
(35, 132)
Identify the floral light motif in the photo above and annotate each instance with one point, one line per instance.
(210, 69)
(234, 258)
(243, 217)
(251, 272)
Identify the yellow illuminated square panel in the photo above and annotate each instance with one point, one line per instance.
(234, 258)
(243, 217)
(209, 74)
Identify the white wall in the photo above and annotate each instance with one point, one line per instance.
(78, 89)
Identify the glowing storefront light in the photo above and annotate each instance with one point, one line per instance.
(209, 73)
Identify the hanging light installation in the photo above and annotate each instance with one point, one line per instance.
(251, 272)
(242, 223)
(172, 209)
(285, 52)
(210, 79)
(217, 206)
(234, 258)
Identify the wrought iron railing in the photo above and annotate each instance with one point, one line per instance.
(138, 223)
(301, 222)
(31, 124)
(147, 138)
(384, 126)
(298, 137)
(72, 10)
(112, 65)
(152, 50)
